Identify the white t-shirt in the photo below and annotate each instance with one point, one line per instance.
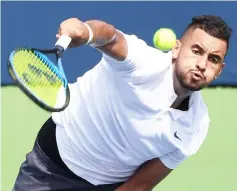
(119, 117)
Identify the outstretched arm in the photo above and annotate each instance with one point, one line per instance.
(100, 34)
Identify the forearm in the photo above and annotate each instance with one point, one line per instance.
(146, 177)
(126, 187)
(98, 34)
(103, 33)
(108, 40)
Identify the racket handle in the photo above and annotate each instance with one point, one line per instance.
(63, 41)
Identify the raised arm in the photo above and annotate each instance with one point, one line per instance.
(98, 34)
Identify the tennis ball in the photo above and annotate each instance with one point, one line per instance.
(164, 39)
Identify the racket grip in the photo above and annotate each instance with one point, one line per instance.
(63, 41)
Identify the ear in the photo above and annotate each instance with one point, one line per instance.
(176, 49)
(222, 67)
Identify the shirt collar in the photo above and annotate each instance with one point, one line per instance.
(195, 108)
(195, 97)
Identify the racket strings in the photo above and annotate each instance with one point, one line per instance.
(37, 69)
(41, 78)
(48, 68)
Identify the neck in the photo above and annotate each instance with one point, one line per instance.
(179, 90)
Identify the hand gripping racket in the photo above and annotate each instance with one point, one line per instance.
(39, 78)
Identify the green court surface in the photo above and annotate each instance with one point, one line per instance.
(212, 169)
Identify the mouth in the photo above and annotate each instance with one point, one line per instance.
(197, 75)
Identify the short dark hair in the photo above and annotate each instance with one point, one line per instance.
(213, 25)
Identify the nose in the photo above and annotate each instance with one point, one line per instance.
(202, 63)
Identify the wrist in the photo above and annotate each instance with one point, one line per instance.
(100, 39)
(91, 35)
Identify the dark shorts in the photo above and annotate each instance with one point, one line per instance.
(40, 173)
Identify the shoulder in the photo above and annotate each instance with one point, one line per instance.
(135, 43)
(187, 133)
(142, 59)
(199, 107)
(199, 121)
(140, 50)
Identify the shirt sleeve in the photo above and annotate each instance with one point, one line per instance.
(174, 158)
(142, 61)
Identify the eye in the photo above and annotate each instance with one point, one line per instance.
(214, 60)
(196, 51)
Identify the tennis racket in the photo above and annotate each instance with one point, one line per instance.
(39, 77)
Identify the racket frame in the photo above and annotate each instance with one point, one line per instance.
(57, 50)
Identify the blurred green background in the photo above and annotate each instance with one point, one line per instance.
(212, 169)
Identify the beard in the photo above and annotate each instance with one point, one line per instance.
(190, 84)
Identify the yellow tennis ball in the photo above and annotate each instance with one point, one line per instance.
(164, 39)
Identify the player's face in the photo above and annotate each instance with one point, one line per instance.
(199, 60)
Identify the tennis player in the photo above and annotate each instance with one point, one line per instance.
(134, 117)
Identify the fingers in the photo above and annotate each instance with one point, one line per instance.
(75, 29)
(62, 32)
(59, 33)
